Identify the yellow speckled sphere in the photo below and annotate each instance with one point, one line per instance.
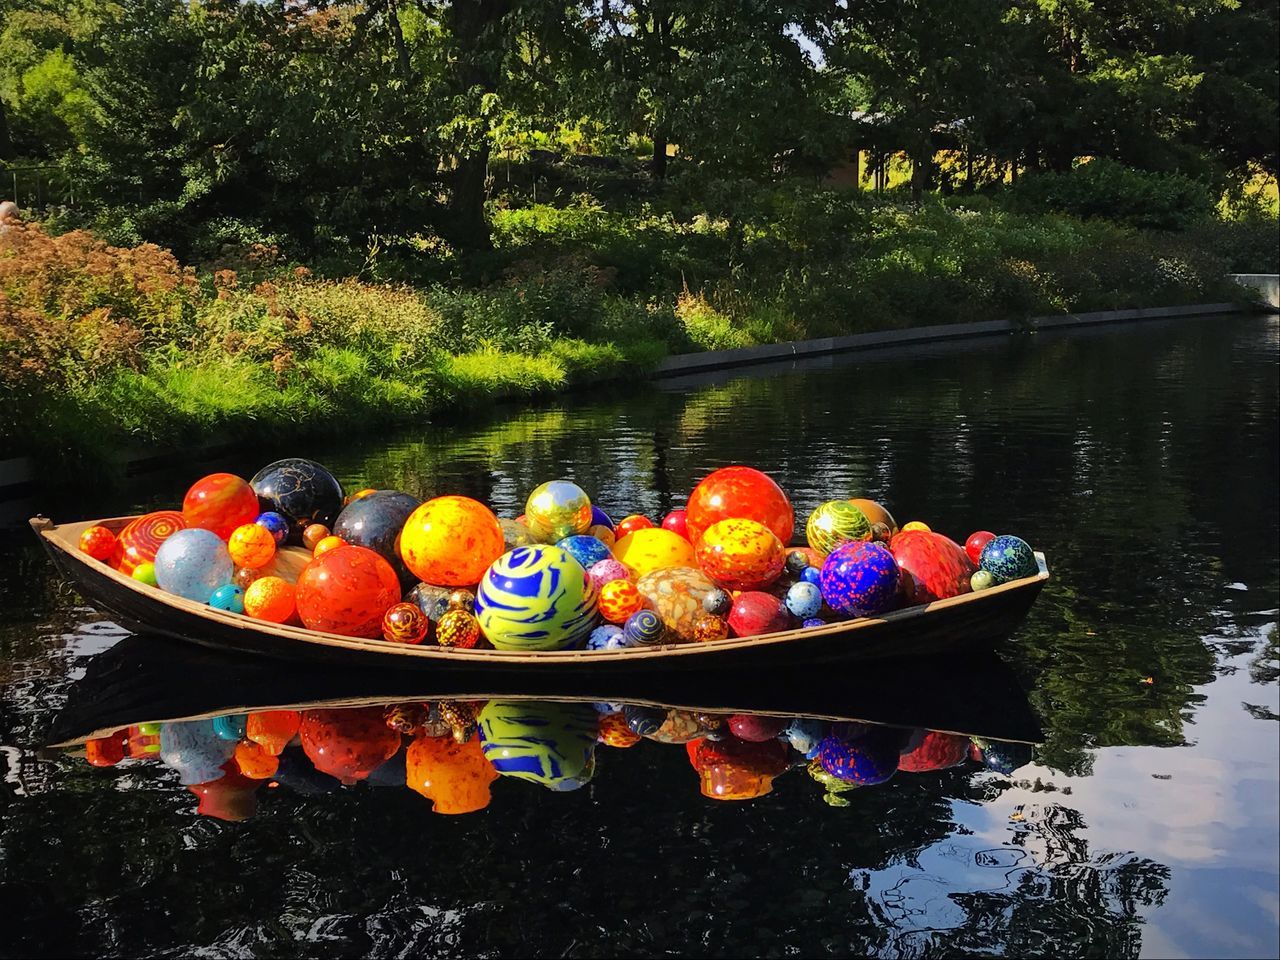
(741, 554)
(557, 509)
(834, 523)
(916, 525)
(654, 548)
(251, 545)
(450, 541)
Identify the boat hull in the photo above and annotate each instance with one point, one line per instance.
(945, 627)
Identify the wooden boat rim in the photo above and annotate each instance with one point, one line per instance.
(66, 538)
(345, 703)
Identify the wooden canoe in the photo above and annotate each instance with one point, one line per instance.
(149, 678)
(958, 623)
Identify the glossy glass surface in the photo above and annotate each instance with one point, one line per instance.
(1143, 462)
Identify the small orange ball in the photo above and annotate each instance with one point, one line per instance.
(98, 542)
(404, 623)
(619, 599)
(630, 525)
(457, 628)
(251, 545)
(327, 544)
(313, 534)
(255, 761)
(272, 599)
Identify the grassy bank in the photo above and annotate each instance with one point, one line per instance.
(103, 346)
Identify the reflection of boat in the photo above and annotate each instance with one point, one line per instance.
(150, 678)
(946, 626)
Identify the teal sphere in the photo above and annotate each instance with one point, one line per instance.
(228, 597)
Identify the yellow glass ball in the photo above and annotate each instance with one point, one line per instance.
(654, 548)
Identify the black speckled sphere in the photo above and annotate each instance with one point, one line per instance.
(717, 602)
(375, 521)
(797, 560)
(301, 491)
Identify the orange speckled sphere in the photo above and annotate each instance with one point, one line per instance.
(612, 730)
(251, 545)
(220, 502)
(739, 492)
(347, 590)
(741, 554)
(270, 598)
(454, 776)
(875, 513)
(619, 599)
(98, 542)
(451, 541)
(348, 744)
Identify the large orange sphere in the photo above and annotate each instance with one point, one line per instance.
(220, 502)
(451, 541)
(739, 493)
(272, 599)
(347, 590)
(741, 554)
(454, 776)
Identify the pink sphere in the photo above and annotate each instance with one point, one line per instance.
(973, 546)
(677, 522)
(754, 728)
(605, 571)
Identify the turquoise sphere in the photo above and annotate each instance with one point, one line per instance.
(228, 597)
(193, 563)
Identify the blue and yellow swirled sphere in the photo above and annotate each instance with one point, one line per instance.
(535, 598)
(834, 523)
(548, 743)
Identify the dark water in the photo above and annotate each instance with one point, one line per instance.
(1142, 462)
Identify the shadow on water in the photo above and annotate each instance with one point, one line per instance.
(1142, 463)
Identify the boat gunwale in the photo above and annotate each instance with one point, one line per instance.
(65, 537)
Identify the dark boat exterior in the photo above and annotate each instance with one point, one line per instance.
(970, 621)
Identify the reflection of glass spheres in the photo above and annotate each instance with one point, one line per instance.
(543, 742)
(935, 751)
(865, 759)
(454, 776)
(301, 491)
(194, 749)
(557, 509)
(732, 769)
(739, 492)
(348, 744)
(375, 521)
(535, 598)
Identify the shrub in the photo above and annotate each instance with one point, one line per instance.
(1110, 190)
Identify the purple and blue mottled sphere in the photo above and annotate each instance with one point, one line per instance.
(814, 622)
(276, 524)
(864, 761)
(860, 579)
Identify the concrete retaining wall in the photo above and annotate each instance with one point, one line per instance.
(710, 360)
(1267, 285)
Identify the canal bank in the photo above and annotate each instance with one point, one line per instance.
(18, 475)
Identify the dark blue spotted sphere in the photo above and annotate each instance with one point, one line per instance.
(811, 575)
(860, 579)
(864, 761)
(644, 627)
(277, 524)
(1008, 558)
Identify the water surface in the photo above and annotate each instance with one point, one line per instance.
(1143, 462)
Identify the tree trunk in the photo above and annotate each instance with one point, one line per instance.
(6, 145)
(968, 169)
(478, 49)
(920, 173)
(658, 164)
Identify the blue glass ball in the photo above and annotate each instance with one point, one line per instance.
(230, 727)
(804, 599)
(1003, 756)
(804, 734)
(586, 550)
(814, 622)
(193, 749)
(1008, 558)
(193, 563)
(644, 721)
(864, 761)
(276, 523)
(228, 597)
(644, 627)
(860, 579)
(811, 575)
(607, 637)
(600, 518)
